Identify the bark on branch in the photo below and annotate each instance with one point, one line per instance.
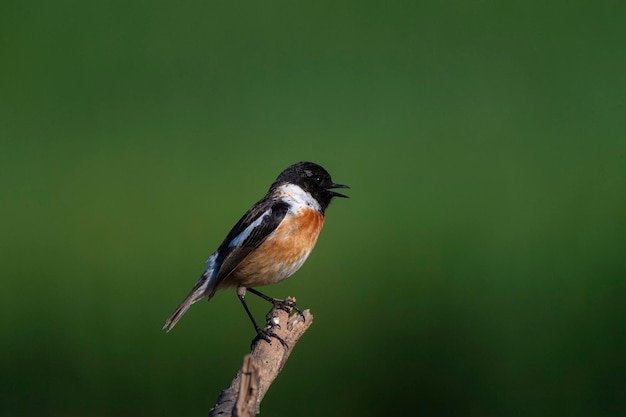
(261, 366)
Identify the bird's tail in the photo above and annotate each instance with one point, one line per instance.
(204, 287)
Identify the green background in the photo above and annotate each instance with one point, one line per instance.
(478, 269)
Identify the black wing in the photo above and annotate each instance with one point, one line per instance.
(248, 234)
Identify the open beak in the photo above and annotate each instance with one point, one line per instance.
(335, 193)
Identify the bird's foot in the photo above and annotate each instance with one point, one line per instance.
(266, 335)
(287, 305)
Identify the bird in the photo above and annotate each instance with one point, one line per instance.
(269, 243)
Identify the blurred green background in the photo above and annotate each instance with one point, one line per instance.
(478, 269)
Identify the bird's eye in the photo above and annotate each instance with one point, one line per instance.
(318, 179)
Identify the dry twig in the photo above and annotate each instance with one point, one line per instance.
(261, 366)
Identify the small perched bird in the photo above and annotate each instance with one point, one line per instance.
(270, 242)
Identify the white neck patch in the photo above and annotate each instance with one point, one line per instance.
(297, 197)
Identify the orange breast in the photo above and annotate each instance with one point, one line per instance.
(283, 253)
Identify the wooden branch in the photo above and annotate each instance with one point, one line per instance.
(261, 366)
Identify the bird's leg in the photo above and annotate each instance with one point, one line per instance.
(264, 334)
(285, 305)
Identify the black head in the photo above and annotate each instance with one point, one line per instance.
(311, 178)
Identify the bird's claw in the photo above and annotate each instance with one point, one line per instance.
(267, 334)
(288, 306)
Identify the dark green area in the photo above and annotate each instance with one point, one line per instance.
(478, 269)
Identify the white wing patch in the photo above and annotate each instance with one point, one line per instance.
(297, 198)
(210, 263)
(241, 237)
